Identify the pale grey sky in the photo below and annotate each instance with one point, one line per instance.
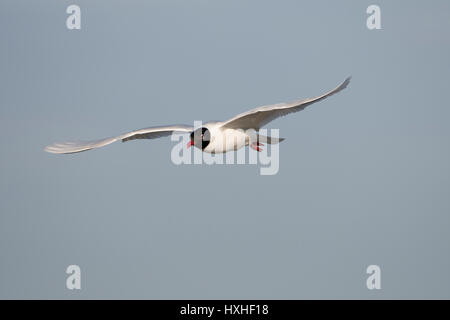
(364, 175)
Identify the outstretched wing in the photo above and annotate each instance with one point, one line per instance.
(259, 117)
(147, 133)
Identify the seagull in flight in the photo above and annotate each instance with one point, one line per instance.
(214, 136)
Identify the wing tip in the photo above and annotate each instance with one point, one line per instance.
(345, 83)
(48, 149)
(65, 148)
(52, 148)
(55, 149)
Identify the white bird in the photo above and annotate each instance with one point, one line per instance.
(212, 137)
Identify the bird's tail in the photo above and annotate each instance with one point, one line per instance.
(269, 140)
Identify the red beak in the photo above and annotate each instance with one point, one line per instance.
(190, 144)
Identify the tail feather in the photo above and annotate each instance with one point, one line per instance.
(269, 140)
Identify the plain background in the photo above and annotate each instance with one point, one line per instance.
(364, 175)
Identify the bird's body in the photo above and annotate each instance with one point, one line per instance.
(223, 139)
(214, 136)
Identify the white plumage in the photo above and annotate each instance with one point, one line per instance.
(222, 136)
